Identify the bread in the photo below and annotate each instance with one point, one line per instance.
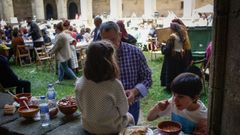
(9, 109)
(136, 131)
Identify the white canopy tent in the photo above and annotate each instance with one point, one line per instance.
(204, 9)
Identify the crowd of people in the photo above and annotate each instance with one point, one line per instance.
(116, 75)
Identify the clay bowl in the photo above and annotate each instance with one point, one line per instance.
(169, 128)
(67, 106)
(23, 97)
(53, 112)
(28, 114)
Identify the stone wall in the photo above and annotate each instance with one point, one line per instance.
(101, 6)
(200, 3)
(133, 6)
(1, 10)
(163, 6)
(22, 9)
(224, 118)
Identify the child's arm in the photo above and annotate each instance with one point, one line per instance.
(154, 111)
(201, 128)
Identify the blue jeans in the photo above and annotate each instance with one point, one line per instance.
(63, 68)
(134, 110)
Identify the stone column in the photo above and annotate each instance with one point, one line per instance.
(188, 6)
(7, 8)
(149, 8)
(1, 10)
(116, 8)
(39, 9)
(62, 9)
(86, 10)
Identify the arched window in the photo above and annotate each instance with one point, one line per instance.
(72, 10)
(49, 12)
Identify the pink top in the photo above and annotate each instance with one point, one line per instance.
(209, 51)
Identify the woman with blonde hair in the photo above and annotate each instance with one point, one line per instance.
(177, 54)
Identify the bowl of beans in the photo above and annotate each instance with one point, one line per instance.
(169, 128)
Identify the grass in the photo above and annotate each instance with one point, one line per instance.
(40, 79)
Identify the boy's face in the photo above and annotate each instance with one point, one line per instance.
(182, 101)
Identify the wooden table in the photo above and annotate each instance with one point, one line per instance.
(16, 125)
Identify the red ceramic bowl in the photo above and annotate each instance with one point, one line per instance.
(67, 106)
(24, 112)
(23, 97)
(169, 128)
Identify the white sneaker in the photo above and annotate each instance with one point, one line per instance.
(57, 82)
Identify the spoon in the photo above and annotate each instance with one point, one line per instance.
(12, 94)
(26, 105)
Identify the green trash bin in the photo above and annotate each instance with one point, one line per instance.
(199, 38)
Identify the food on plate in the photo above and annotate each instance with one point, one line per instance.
(29, 110)
(9, 109)
(23, 97)
(67, 105)
(28, 113)
(136, 131)
(68, 101)
(169, 127)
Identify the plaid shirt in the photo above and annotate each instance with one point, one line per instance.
(134, 71)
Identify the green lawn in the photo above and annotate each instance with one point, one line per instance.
(40, 79)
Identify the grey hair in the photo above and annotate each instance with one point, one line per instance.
(97, 18)
(109, 25)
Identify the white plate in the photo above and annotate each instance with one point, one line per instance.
(149, 131)
(156, 132)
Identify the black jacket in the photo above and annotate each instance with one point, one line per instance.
(6, 73)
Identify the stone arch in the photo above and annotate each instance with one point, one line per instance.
(73, 8)
(50, 9)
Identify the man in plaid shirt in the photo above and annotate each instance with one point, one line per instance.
(134, 71)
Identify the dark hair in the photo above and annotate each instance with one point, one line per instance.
(98, 18)
(194, 69)
(15, 32)
(59, 26)
(66, 23)
(100, 63)
(187, 84)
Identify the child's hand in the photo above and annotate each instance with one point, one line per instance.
(162, 105)
(158, 107)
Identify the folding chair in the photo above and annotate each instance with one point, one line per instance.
(153, 47)
(81, 56)
(23, 55)
(43, 56)
(204, 67)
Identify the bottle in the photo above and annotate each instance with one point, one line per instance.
(44, 112)
(51, 96)
(36, 101)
